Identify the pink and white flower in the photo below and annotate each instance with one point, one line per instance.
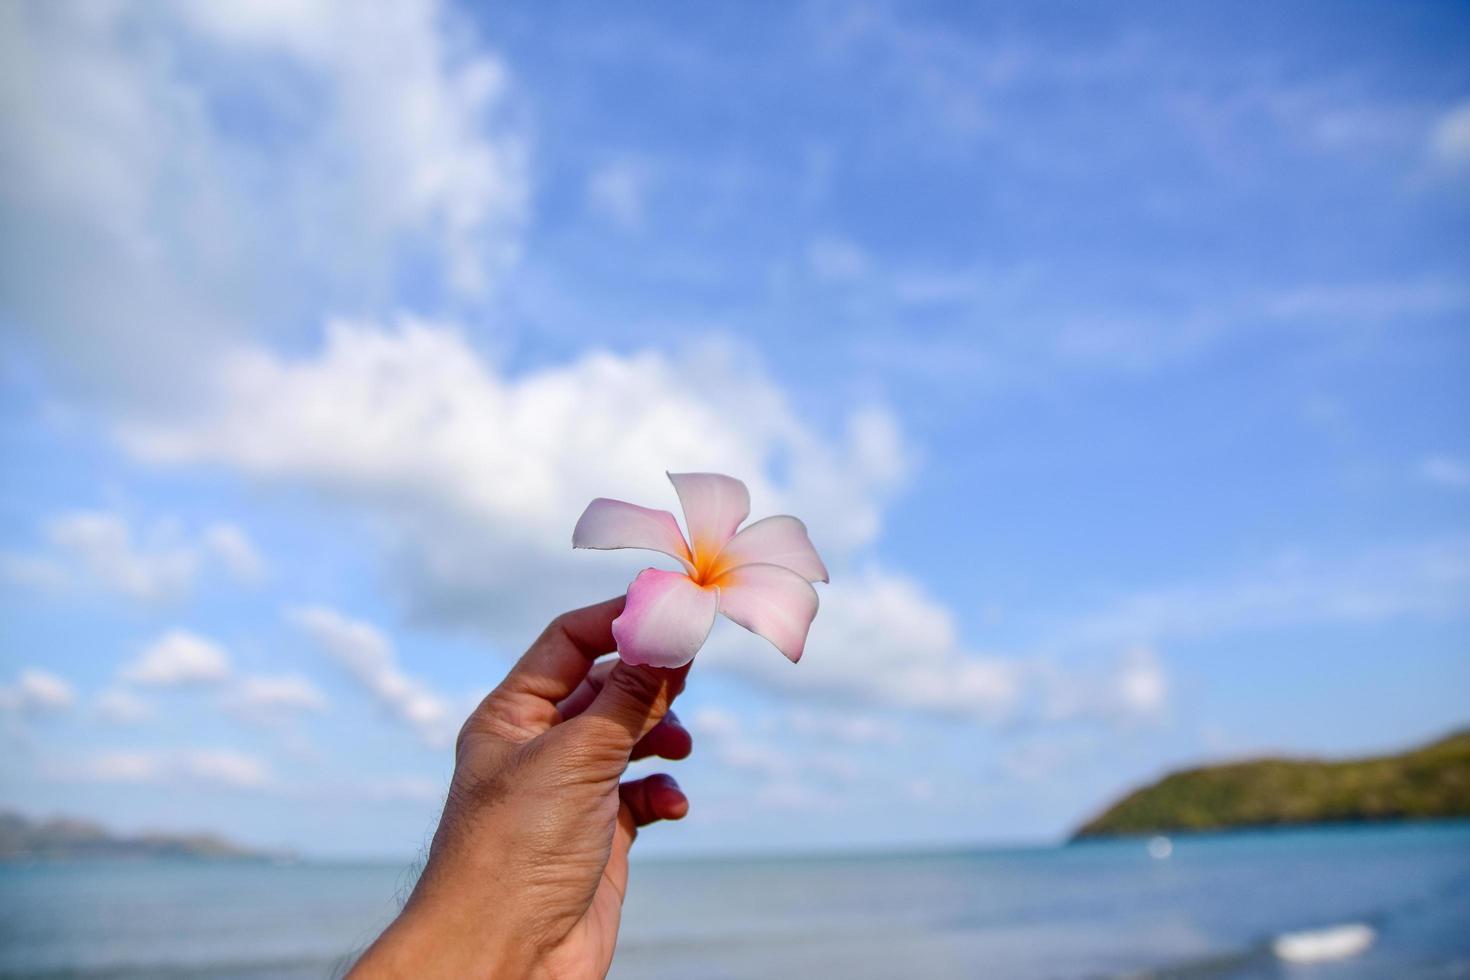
(760, 577)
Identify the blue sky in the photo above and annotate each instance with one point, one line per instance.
(1114, 354)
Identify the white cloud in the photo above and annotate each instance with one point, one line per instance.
(119, 706)
(1368, 301)
(102, 546)
(834, 259)
(36, 691)
(368, 657)
(881, 641)
(178, 658)
(797, 795)
(1448, 471)
(119, 766)
(267, 698)
(714, 722)
(920, 789)
(477, 478)
(1044, 758)
(235, 551)
(414, 789)
(1134, 688)
(160, 564)
(1449, 141)
(222, 767)
(1429, 579)
(127, 167)
(1142, 687)
(412, 104)
(32, 572)
(845, 727)
(779, 766)
(616, 192)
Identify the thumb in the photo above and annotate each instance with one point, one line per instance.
(632, 701)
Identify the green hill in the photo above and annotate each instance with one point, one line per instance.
(64, 838)
(1428, 782)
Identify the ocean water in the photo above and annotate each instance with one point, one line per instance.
(1321, 904)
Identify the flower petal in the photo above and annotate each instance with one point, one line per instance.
(770, 601)
(779, 540)
(666, 620)
(609, 524)
(714, 506)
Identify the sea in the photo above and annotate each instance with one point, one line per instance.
(1320, 903)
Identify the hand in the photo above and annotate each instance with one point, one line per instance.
(528, 868)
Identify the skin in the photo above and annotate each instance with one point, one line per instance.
(527, 871)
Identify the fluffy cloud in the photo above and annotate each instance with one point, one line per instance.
(218, 767)
(1445, 470)
(1133, 688)
(1429, 579)
(393, 789)
(225, 767)
(836, 259)
(36, 691)
(410, 105)
(102, 547)
(268, 698)
(368, 657)
(616, 192)
(477, 477)
(179, 658)
(881, 641)
(743, 748)
(161, 563)
(202, 160)
(1449, 141)
(849, 728)
(235, 551)
(119, 706)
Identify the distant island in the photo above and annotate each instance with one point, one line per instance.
(1425, 783)
(62, 838)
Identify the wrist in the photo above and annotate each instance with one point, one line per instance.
(433, 942)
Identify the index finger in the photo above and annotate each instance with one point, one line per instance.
(554, 665)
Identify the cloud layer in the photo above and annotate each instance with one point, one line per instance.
(204, 160)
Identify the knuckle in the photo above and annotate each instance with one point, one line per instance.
(557, 626)
(641, 686)
(584, 747)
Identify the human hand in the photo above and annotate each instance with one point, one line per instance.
(527, 871)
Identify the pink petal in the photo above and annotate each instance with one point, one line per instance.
(609, 524)
(714, 506)
(778, 540)
(771, 601)
(666, 620)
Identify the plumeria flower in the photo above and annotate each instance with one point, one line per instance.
(760, 577)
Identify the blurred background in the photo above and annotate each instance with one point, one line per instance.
(1116, 356)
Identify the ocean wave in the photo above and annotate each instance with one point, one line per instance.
(1339, 942)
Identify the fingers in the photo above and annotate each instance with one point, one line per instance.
(652, 798)
(576, 702)
(554, 667)
(633, 700)
(644, 801)
(669, 739)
